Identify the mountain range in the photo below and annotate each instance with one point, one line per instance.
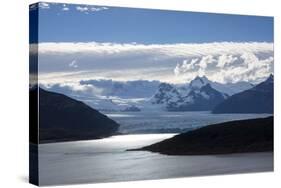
(200, 94)
(258, 99)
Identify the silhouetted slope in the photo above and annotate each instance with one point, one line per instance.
(62, 118)
(258, 99)
(254, 135)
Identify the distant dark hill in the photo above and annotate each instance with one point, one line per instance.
(258, 99)
(254, 135)
(62, 118)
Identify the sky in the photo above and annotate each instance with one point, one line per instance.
(80, 42)
(80, 23)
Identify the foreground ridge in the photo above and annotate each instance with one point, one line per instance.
(253, 135)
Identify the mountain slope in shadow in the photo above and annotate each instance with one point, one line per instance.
(258, 99)
(253, 135)
(62, 118)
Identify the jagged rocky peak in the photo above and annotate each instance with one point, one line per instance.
(199, 95)
(198, 82)
(165, 94)
(165, 87)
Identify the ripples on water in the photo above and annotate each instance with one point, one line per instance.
(171, 122)
(106, 160)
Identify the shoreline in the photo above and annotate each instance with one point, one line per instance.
(109, 137)
(242, 136)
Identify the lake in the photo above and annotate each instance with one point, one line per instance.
(106, 160)
(171, 122)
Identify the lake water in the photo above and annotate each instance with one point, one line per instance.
(171, 122)
(106, 160)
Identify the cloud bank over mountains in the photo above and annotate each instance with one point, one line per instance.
(175, 63)
(228, 68)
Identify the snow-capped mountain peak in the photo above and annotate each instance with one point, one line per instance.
(198, 95)
(166, 94)
(199, 82)
(226, 88)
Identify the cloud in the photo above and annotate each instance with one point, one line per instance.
(44, 5)
(219, 61)
(87, 9)
(95, 9)
(178, 49)
(64, 8)
(227, 68)
(73, 64)
(117, 75)
(73, 89)
(82, 9)
(185, 66)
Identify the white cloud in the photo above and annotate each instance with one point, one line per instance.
(74, 89)
(87, 9)
(82, 9)
(219, 61)
(179, 49)
(65, 9)
(228, 68)
(118, 75)
(185, 66)
(73, 64)
(94, 9)
(204, 63)
(44, 5)
(224, 60)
